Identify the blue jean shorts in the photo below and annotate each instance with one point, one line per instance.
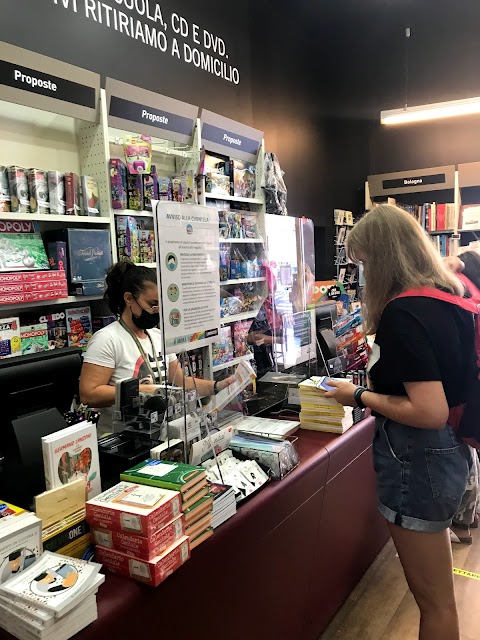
(421, 474)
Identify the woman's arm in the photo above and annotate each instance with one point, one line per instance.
(424, 407)
(203, 387)
(94, 388)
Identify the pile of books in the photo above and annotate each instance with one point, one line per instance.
(62, 512)
(319, 413)
(54, 598)
(139, 531)
(20, 540)
(224, 503)
(192, 484)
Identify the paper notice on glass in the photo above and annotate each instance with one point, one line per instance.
(187, 239)
(203, 450)
(244, 376)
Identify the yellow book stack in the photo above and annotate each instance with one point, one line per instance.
(319, 413)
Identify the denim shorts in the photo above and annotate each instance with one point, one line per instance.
(421, 474)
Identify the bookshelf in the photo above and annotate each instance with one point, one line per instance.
(347, 273)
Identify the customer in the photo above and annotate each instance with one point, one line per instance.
(132, 347)
(466, 517)
(423, 348)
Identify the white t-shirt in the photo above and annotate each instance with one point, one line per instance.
(115, 348)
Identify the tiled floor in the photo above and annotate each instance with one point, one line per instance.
(382, 608)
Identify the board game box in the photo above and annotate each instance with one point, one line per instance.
(34, 339)
(21, 247)
(10, 341)
(79, 326)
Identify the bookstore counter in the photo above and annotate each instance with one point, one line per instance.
(280, 568)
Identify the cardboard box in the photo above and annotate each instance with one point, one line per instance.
(152, 572)
(134, 508)
(10, 342)
(79, 326)
(139, 546)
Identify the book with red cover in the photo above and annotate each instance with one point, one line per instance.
(441, 217)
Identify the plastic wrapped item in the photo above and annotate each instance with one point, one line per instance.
(275, 189)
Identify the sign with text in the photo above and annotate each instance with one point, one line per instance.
(149, 113)
(414, 181)
(187, 238)
(36, 81)
(225, 136)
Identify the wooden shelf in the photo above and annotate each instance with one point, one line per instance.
(232, 363)
(447, 232)
(150, 265)
(242, 281)
(46, 217)
(209, 196)
(25, 306)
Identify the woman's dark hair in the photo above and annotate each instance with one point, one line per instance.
(471, 260)
(126, 277)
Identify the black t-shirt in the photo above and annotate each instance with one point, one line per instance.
(423, 340)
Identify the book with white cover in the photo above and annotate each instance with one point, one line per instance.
(31, 625)
(45, 618)
(70, 454)
(54, 583)
(20, 544)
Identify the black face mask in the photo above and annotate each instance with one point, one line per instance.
(146, 320)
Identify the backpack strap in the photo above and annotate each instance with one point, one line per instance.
(430, 292)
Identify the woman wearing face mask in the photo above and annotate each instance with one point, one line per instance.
(132, 347)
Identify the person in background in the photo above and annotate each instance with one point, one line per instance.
(132, 347)
(423, 348)
(466, 517)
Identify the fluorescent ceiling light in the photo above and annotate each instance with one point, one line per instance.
(435, 111)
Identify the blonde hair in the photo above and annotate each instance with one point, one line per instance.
(398, 256)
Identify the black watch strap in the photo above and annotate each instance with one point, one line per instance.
(215, 387)
(359, 391)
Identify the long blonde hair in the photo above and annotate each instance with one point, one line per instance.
(398, 255)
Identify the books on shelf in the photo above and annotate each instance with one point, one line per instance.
(433, 216)
(319, 413)
(70, 454)
(469, 217)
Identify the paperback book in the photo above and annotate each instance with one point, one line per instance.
(20, 544)
(54, 583)
(169, 475)
(71, 454)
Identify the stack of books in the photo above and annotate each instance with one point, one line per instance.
(319, 413)
(62, 512)
(192, 484)
(20, 540)
(139, 531)
(224, 503)
(52, 599)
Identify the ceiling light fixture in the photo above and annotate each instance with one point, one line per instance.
(422, 113)
(468, 106)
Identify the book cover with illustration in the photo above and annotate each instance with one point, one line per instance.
(162, 473)
(54, 583)
(20, 544)
(71, 454)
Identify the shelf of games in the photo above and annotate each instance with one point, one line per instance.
(99, 157)
(452, 213)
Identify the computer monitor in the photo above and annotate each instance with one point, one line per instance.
(35, 391)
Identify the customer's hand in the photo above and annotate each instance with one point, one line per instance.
(226, 382)
(454, 263)
(149, 389)
(343, 393)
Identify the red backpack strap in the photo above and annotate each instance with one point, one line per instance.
(430, 292)
(471, 288)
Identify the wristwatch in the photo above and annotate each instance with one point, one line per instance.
(357, 396)
(215, 387)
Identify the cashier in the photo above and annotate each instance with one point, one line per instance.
(132, 347)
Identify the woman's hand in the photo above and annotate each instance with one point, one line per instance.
(343, 393)
(223, 384)
(150, 389)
